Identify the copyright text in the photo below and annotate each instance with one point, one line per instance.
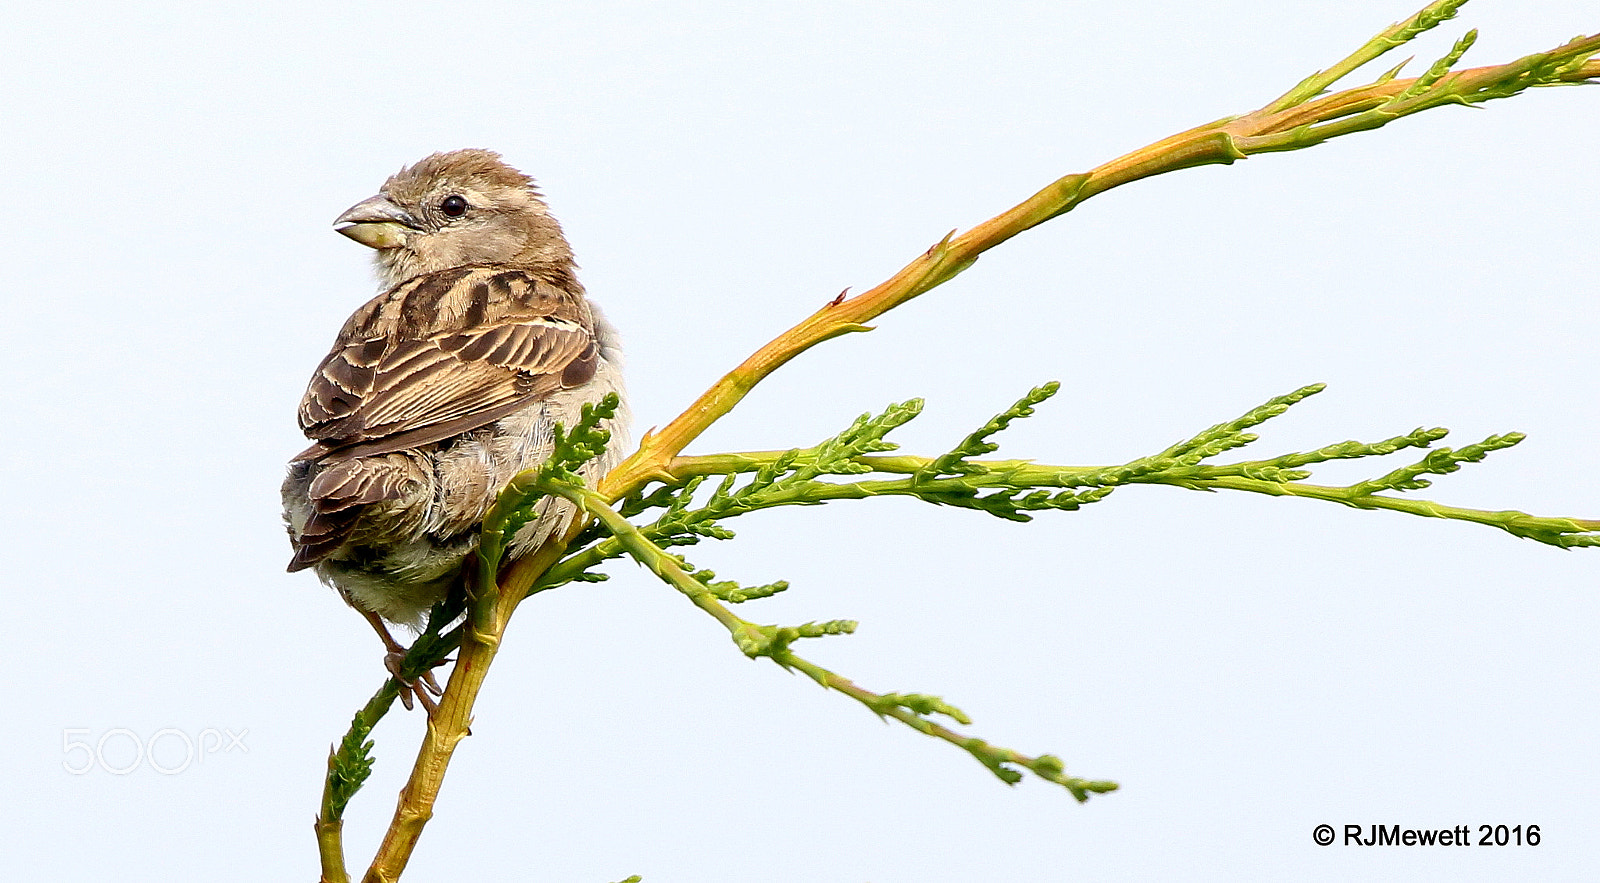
(1460, 835)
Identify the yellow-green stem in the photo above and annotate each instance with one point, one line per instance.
(1223, 141)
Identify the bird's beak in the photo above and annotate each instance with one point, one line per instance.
(376, 223)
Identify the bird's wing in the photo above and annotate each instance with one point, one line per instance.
(436, 358)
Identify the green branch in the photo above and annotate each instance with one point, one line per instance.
(1391, 38)
(1012, 488)
(775, 643)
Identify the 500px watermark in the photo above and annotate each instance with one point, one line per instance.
(168, 751)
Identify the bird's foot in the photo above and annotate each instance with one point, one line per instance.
(422, 688)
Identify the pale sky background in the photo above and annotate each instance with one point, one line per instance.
(1246, 667)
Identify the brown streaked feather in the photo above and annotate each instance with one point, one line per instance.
(338, 493)
(355, 483)
(581, 370)
(444, 354)
(319, 540)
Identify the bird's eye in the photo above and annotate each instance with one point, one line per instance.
(453, 206)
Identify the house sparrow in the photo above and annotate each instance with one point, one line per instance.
(445, 386)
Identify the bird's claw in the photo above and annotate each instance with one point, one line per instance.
(423, 687)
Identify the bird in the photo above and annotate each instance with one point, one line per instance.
(438, 391)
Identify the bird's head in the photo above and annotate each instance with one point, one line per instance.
(457, 209)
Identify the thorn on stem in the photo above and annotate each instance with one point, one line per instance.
(840, 299)
(940, 245)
